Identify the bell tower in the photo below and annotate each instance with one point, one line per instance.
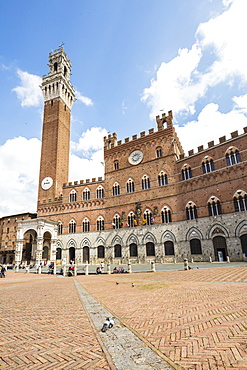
(59, 96)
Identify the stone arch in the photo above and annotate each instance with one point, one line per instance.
(100, 241)
(149, 237)
(241, 228)
(193, 233)
(116, 240)
(217, 230)
(71, 243)
(132, 238)
(167, 235)
(85, 242)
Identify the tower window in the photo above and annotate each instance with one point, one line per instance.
(159, 152)
(162, 179)
(145, 183)
(116, 165)
(65, 71)
(55, 67)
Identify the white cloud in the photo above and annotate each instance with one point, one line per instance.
(29, 91)
(89, 142)
(82, 168)
(19, 167)
(83, 99)
(182, 81)
(210, 125)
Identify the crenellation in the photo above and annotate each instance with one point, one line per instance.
(234, 134)
(200, 148)
(222, 139)
(134, 137)
(142, 134)
(119, 142)
(127, 139)
(191, 152)
(210, 144)
(151, 131)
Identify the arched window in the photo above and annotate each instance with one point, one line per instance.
(55, 67)
(101, 251)
(191, 211)
(116, 189)
(214, 206)
(195, 246)
(100, 223)
(243, 239)
(186, 172)
(86, 194)
(65, 71)
(72, 226)
(117, 251)
(130, 186)
(159, 152)
(117, 222)
(60, 227)
(100, 192)
(232, 156)
(166, 215)
(85, 225)
(131, 219)
(147, 218)
(133, 250)
(162, 179)
(72, 196)
(58, 254)
(150, 249)
(116, 165)
(169, 248)
(240, 201)
(207, 165)
(145, 182)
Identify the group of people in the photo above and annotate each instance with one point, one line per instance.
(119, 270)
(3, 270)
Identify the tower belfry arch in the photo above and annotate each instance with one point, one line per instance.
(59, 96)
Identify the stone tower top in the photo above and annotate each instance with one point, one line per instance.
(57, 82)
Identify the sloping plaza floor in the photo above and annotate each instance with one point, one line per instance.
(196, 318)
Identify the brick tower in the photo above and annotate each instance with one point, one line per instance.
(58, 99)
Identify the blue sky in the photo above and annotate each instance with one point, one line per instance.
(130, 60)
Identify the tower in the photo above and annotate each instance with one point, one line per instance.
(58, 96)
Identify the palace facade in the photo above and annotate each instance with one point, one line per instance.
(154, 202)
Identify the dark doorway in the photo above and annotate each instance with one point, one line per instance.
(133, 250)
(220, 248)
(150, 250)
(85, 254)
(72, 254)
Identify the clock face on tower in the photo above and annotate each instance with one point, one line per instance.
(136, 157)
(47, 183)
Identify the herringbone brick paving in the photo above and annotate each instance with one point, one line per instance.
(198, 318)
(44, 326)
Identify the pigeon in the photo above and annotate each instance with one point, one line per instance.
(117, 283)
(132, 285)
(107, 324)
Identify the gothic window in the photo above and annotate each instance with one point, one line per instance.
(159, 152)
(243, 239)
(55, 67)
(86, 194)
(72, 196)
(166, 215)
(150, 249)
(240, 201)
(162, 179)
(145, 182)
(116, 165)
(191, 211)
(58, 254)
(72, 227)
(207, 165)
(100, 223)
(195, 246)
(133, 250)
(169, 248)
(101, 251)
(60, 228)
(117, 222)
(186, 173)
(117, 251)
(131, 219)
(214, 206)
(116, 189)
(85, 225)
(100, 192)
(65, 71)
(232, 157)
(147, 218)
(130, 186)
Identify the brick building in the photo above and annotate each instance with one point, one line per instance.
(154, 203)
